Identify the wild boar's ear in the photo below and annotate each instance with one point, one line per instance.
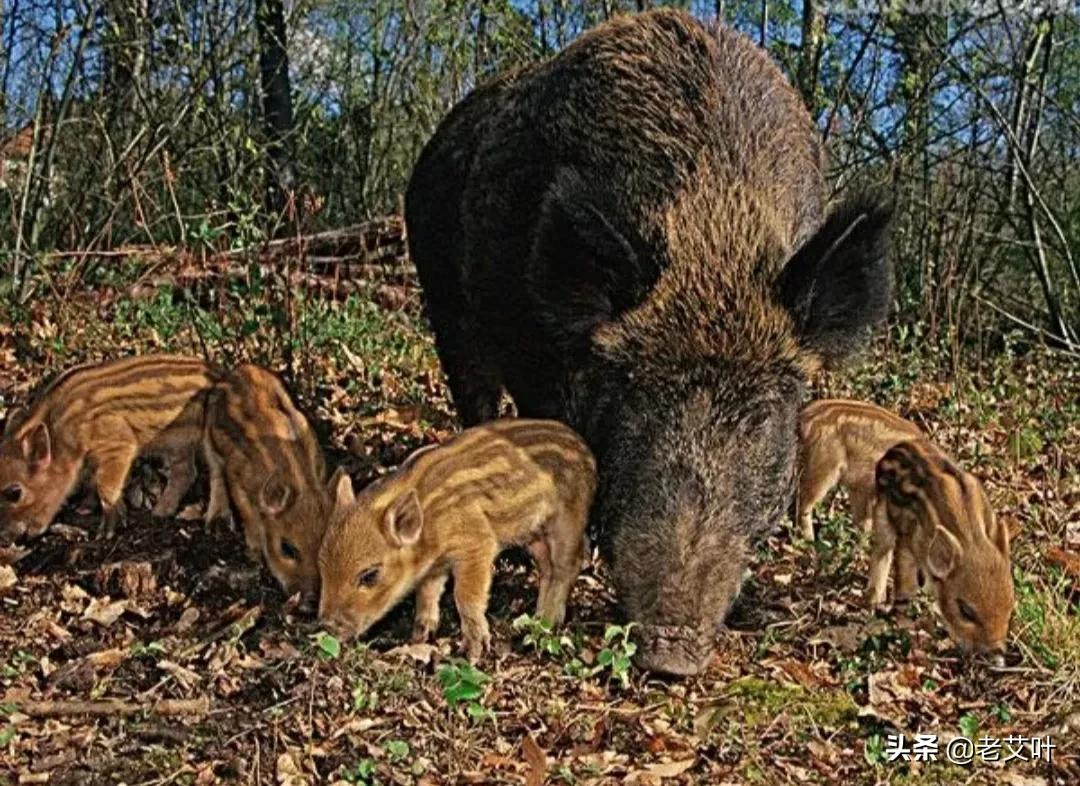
(943, 553)
(341, 488)
(275, 495)
(840, 283)
(582, 271)
(37, 447)
(404, 519)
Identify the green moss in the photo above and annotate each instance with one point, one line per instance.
(760, 701)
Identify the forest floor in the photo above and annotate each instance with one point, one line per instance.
(197, 670)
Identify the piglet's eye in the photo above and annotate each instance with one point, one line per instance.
(967, 612)
(289, 551)
(367, 578)
(12, 494)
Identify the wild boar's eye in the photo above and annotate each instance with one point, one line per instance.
(967, 612)
(367, 578)
(12, 494)
(289, 551)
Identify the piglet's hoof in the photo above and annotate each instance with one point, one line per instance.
(110, 517)
(476, 646)
(422, 632)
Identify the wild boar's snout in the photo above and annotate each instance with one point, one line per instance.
(682, 651)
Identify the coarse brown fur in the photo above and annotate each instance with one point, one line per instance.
(100, 418)
(450, 510)
(263, 448)
(840, 442)
(934, 517)
(631, 238)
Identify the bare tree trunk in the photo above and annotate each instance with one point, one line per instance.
(480, 51)
(125, 46)
(1024, 90)
(1029, 136)
(810, 55)
(277, 104)
(8, 50)
(763, 32)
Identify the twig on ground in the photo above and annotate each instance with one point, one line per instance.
(112, 707)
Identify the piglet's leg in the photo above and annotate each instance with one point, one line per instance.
(472, 586)
(181, 469)
(819, 476)
(428, 593)
(861, 494)
(217, 507)
(111, 470)
(541, 554)
(905, 572)
(565, 544)
(882, 543)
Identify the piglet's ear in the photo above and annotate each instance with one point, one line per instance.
(902, 472)
(840, 283)
(276, 495)
(37, 447)
(582, 271)
(341, 488)
(943, 553)
(403, 520)
(14, 418)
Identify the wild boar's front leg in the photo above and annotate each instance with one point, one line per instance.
(472, 587)
(428, 593)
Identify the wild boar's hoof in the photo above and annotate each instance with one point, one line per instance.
(679, 650)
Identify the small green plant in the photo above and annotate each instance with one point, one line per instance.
(328, 646)
(397, 750)
(616, 656)
(540, 636)
(463, 685)
(874, 750)
(364, 699)
(19, 661)
(149, 650)
(7, 734)
(969, 725)
(363, 773)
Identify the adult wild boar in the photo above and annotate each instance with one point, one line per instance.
(630, 238)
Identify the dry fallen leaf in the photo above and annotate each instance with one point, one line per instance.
(8, 579)
(9, 555)
(289, 772)
(889, 692)
(671, 769)
(655, 773)
(1068, 561)
(104, 612)
(535, 758)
